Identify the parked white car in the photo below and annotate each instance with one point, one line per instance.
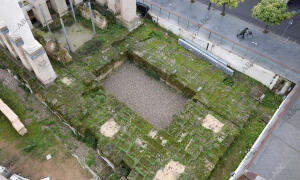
(4, 172)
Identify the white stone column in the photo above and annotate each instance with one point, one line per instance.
(38, 13)
(4, 36)
(101, 2)
(12, 14)
(59, 6)
(114, 6)
(17, 43)
(129, 17)
(21, 4)
(41, 65)
(128, 10)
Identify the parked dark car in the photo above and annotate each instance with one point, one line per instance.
(142, 8)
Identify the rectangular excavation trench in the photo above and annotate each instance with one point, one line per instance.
(137, 84)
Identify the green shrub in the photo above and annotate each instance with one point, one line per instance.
(151, 74)
(88, 138)
(90, 159)
(154, 34)
(228, 81)
(271, 100)
(100, 99)
(30, 147)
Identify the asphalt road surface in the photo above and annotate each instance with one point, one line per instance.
(244, 11)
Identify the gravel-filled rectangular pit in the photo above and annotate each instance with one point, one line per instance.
(151, 99)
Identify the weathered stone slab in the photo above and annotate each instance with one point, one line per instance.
(99, 20)
(13, 118)
(110, 128)
(171, 171)
(210, 122)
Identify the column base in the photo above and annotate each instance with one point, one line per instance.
(41, 66)
(130, 25)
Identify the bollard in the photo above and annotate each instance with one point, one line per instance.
(209, 5)
(72, 8)
(92, 17)
(44, 17)
(66, 36)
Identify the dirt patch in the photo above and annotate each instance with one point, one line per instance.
(61, 167)
(171, 171)
(210, 122)
(110, 128)
(16, 158)
(150, 98)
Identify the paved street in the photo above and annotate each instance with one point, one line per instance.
(279, 158)
(283, 51)
(244, 11)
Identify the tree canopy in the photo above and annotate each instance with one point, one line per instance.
(229, 3)
(271, 12)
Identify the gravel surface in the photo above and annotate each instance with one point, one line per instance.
(150, 98)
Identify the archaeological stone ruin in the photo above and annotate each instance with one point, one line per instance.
(147, 105)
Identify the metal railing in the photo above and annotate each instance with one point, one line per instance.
(198, 29)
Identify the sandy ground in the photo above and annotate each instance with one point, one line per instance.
(61, 167)
(110, 128)
(171, 171)
(77, 34)
(210, 122)
(151, 99)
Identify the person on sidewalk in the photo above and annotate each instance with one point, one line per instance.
(242, 33)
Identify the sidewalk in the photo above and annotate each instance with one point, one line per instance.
(285, 53)
(279, 157)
